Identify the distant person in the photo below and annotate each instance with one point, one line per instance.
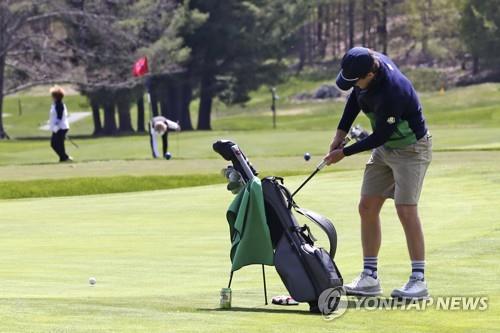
(160, 126)
(401, 151)
(58, 124)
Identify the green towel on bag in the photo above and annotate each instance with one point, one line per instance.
(250, 237)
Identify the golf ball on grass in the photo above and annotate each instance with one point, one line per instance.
(307, 156)
(92, 281)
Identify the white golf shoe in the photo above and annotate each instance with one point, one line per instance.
(413, 289)
(364, 285)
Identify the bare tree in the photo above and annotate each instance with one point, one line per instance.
(33, 46)
(382, 27)
(364, 38)
(351, 10)
(19, 38)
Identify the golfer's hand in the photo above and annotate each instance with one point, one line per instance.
(338, 140)
(334, 156)
(336, 143)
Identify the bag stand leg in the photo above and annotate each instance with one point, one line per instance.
(230, 280)
(263, 279)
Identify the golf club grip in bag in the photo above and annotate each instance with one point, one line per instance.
(231, 152)
(306, 270)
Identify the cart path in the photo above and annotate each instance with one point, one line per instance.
(72, 118)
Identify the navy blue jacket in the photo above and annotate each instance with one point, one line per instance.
(391, 103)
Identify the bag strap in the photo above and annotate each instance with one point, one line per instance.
(325, 224)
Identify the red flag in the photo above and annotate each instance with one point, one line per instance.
(140, 67)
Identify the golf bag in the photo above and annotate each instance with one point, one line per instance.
(305, 269)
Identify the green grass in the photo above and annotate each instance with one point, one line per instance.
(35, 112)
(160, 252)
(161, 257)
(279, 150)
(470, 107)
(100, 185)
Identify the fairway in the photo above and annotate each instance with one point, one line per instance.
(161, 271)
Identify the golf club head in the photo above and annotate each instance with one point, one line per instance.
(358, 133)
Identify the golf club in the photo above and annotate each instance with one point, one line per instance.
(319, 167)
(72, 142)
(67, 136)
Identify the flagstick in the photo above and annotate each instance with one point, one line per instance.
(150, 106)
(177, 142)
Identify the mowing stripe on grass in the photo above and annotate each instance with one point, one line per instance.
(41, 188)
(100, 185)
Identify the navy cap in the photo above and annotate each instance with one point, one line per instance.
(356, 63)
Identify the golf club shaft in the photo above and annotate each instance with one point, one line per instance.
(72, 142)
(305, 182)
(318, 168)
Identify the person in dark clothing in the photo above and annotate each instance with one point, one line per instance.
(401, 153)
(58, 123)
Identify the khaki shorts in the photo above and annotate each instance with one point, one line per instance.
(398, 173)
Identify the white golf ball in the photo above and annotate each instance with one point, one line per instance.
(92, 281)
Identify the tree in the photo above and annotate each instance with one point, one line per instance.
(240, 46)
(430, 32)
(351, 6)
(141, 114)
(49, 41)
(382, 26)
(160, 25)
(103, 45)
(365, 24)
(25, 55)
(480, 28)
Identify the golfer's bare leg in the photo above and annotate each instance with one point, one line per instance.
(368, 284)
(408, 215)
(371, 235)
(416, 287)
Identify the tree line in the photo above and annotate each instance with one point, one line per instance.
(206, 49)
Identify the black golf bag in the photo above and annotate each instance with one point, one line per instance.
(306, 270)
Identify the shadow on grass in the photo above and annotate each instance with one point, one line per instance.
(353, 302)
(269, 310)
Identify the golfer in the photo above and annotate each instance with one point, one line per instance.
(401, 152)
(58, 124)
(160, 126)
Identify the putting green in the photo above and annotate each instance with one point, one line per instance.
(161, 257)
